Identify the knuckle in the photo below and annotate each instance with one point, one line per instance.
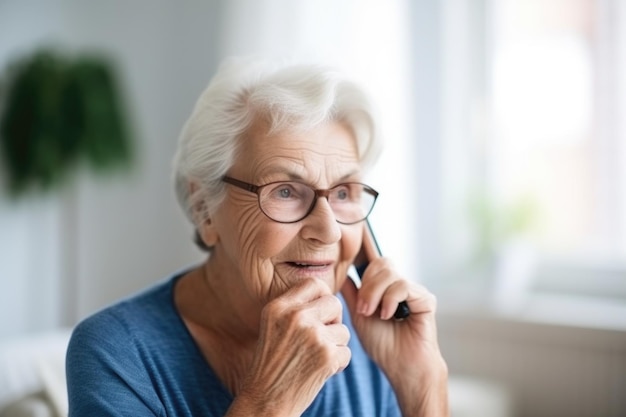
(319, 285)
(296, 315)
(345, 333)
(335, 303)
(344, 355)
(275, 307)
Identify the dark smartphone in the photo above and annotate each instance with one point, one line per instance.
(370, 250)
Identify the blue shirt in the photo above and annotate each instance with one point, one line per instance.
(137, 358)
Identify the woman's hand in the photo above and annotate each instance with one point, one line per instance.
(407, 350)
(302, 343)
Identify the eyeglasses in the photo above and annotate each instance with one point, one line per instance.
(292, 201)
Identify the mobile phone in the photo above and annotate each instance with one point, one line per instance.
(370, 250)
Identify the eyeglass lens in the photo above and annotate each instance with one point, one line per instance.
(292, 201)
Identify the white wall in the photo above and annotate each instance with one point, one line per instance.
(103, 238)
(131, 233)
(100, 239)
(31, 222)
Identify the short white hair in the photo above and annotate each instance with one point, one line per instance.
(287, 96)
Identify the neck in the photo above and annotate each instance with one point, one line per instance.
(224, 327)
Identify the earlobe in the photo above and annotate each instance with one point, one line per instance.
(208, 233)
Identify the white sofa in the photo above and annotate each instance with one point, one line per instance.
(32, 382)
(32, 375)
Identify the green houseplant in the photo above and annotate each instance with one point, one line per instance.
(58, 113)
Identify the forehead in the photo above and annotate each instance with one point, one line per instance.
(325, 153)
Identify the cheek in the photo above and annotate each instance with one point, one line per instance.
(350, 246)
(237, 222)
(259, 238)
(259, 246)
(247, 231)
(351, 243)
(252, 240)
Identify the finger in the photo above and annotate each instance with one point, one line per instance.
(343, 356)
(421, 300)
(301, 293)
(393, 295)
(338, 334)
(316, 302)
(308, 295)
(327, 309)
(376, 279)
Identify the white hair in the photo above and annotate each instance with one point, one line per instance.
(286, 96)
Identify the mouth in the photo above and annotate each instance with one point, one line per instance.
(308, 265)
(310, 269)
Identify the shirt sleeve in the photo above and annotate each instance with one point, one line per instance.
(105, 376)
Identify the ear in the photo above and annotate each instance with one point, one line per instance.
(205, 230)
(208, 233)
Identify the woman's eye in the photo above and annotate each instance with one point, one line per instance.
(343, 193)
(284, 192)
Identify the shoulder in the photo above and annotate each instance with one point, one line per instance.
(112, 355)
(129, 315)
(128, 332)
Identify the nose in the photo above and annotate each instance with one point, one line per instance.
(321, 223)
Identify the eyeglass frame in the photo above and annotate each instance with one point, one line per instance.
(318, 193)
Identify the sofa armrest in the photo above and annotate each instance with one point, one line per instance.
(34, 405)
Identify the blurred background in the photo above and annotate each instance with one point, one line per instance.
(503, 181)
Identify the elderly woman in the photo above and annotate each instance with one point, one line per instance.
(269, 170)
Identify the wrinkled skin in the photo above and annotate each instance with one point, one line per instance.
(263, 308)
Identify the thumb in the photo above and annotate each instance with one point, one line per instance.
(350, 294)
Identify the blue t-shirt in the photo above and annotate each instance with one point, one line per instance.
(137, 358)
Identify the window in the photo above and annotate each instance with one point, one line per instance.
(555, 138)
(533, 159)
